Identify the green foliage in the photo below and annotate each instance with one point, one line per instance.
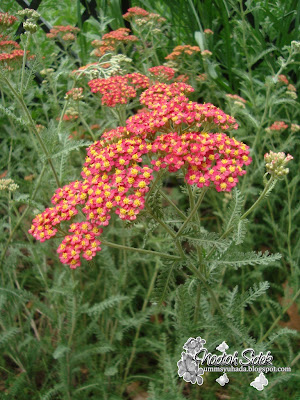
(118, 323)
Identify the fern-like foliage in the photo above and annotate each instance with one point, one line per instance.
(239, 259)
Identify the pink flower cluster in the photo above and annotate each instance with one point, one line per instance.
(116, 178)
(162, 72)
(118, 89)
(206, 158)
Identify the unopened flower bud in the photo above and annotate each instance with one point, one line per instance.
(30, 27)
(276, 163)
(295, 46)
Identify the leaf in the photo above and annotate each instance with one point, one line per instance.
(231, 297)
(70, 146)
(97, 309)
(10, 114)
(111, 371)
(208, 240)
(240, 231)
(60, 351)
(238, 259)
(233, 213)
(8, 335)
(255, 292)
(164, 282)
(199, 37)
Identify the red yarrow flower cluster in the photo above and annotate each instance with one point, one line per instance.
(118, 89)
(115, 177)
(112, 40)
(67, 32)
(162, 72)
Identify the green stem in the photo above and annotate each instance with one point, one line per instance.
(165, 226)
(210, 291)
(82, 119)
(259, 200)
(154, 253)
(133, 351)
(38, 136)
(179, 212)
(254, 205)
(193, 212)
(289, 221)
(22, 216)
(24, 61)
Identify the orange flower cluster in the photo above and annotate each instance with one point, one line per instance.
(68, 32)
(181, 50)
(110, 41)
(172, 132)
(118, 89)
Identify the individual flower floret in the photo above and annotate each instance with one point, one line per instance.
(276, 164)
(208, 32)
